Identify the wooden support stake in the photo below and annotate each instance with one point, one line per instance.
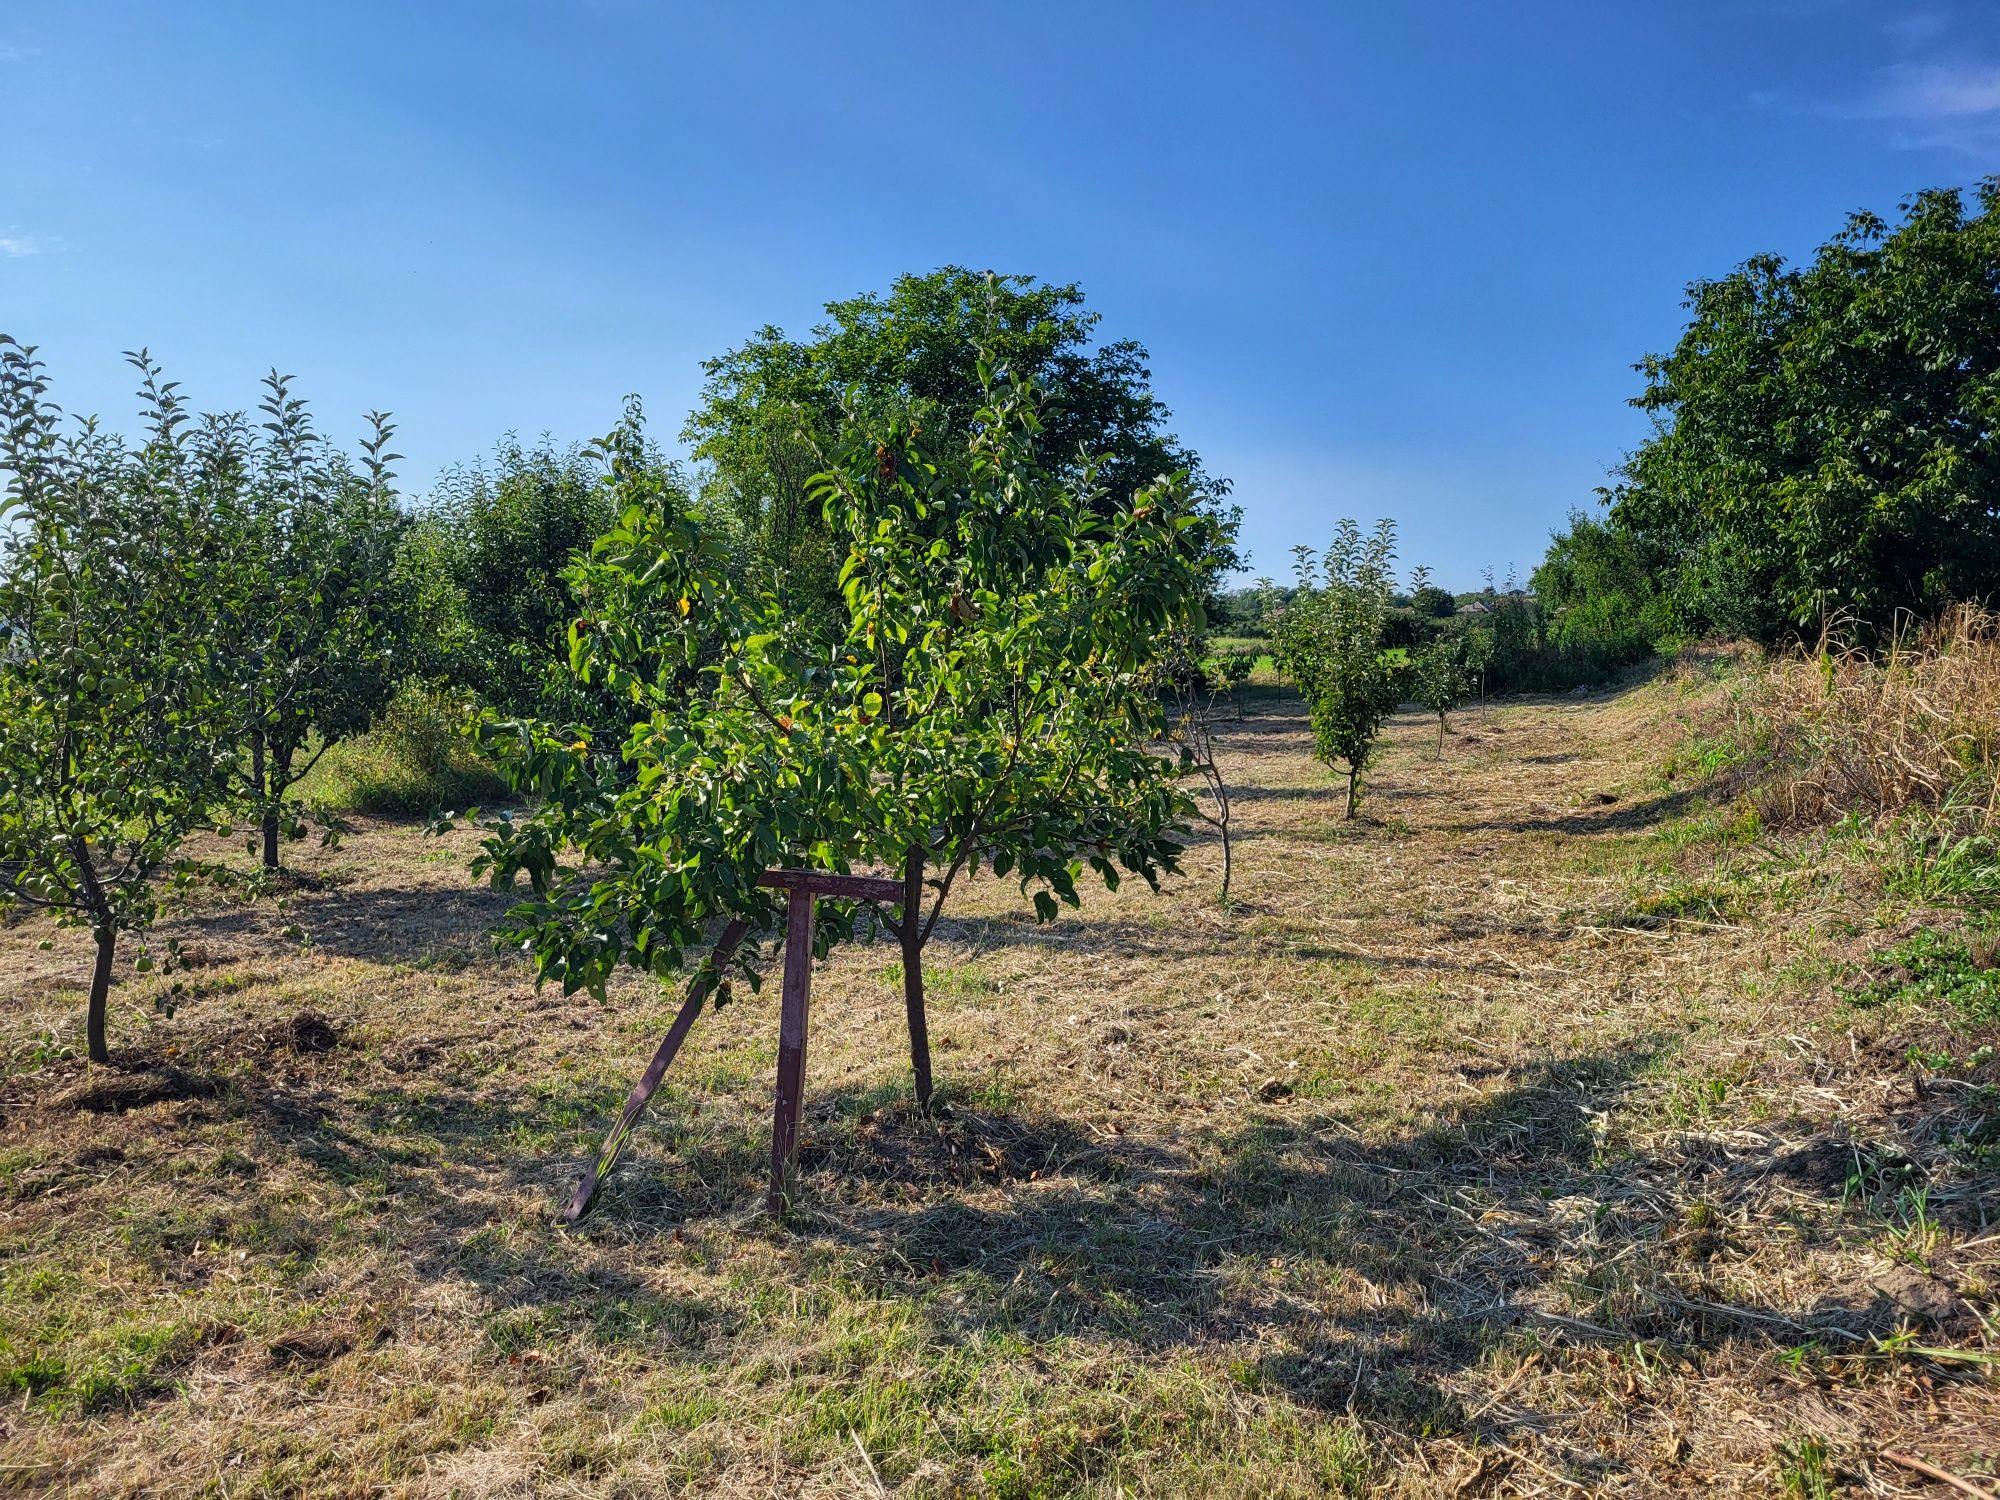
(792, 1017)
(802, 889)
(649, 1081)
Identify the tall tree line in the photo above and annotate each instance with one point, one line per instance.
(190, 620)
(1825, 450)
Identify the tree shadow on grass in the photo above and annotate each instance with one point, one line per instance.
(432, 1174)
(415, 924)
(1110, 937)
(1141, 1237)
(420, 926)
(1330, 792)
(1280, 717)
(1363, 1274)
(1624, 817)
(1362, 1270)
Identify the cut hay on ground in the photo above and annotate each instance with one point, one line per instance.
(1502, 1143)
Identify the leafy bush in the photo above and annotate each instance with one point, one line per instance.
(1513, 647)
(415, 761)
(488, 559)
(1241, 612)
(1225, 670)
(1430, 602)
(1600, 596)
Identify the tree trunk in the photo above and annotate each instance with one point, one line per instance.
(1440, 736)
(913, 975)
(268, 822)
(100, 990)
(279, 777)
(1353, 789)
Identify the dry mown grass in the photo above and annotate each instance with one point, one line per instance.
(1523, 1138)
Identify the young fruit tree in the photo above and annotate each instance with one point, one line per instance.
(1007, 619)
(1226, 672)
(986, 703)
(112, 738)
(308, 602)
(1441, 677)
(1329, 640)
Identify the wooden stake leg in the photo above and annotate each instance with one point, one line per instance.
(802, 889)
(792, 1017)
(649, 1081)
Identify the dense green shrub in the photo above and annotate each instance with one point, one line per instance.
(1601, 595)
(1825, 445)
(415, 761)
(487, 561)
(1240, 612)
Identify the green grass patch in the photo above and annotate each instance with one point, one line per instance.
(1958, 970)
(374, 776)
(121, 1369)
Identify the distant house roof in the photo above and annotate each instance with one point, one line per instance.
(1476, 607)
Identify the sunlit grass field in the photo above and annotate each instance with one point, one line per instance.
(1546, 1130)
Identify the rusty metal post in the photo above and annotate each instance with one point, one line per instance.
(794, 1008)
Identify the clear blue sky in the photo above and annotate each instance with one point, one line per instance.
(1390, 258)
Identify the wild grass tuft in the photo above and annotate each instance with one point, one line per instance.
(414, 762)
(1914, 729)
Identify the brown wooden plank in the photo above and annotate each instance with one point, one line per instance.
(649, 1081)
(792, 1019)
(823, 883)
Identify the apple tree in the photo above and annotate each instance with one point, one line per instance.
(1329, 639)
(308, 604)
(113, 744)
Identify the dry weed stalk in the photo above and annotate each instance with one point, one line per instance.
(1842, 730)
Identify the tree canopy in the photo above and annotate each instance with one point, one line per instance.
(1827, 437)
(986, 703)
(489, 557)
(773, 405)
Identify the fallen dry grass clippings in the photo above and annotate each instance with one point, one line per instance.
(1528, 1136)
